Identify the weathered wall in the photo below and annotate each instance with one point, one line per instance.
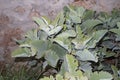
(99, 5)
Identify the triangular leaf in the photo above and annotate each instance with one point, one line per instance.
(86, 55)
(52, 58)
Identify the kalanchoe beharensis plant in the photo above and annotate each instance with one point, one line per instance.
(77, 35)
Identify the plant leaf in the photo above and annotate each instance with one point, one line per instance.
(20, 52)
(52, 58)
(86, 55)
(88, 25)
(101, 76)
(40, 46)
(70, 65)
(55, 31)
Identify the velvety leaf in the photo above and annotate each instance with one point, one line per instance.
(88, 25)
(81, 39)
(62, 39)
(85, 66)
(67, 34)
(52, 58)
(75, 19)
(55, 31)
(105, 76)
(47, 78)
(41, 47)
(89, 14)
(59, 77)
(42, 35)
(64, 42)
(32, 35)
(60, 51)
(80, 11)
(40, 21)
(101, 76)
(86, 55)
(61, 20)
(115, 72)
(70, 65)
(58, 21)
(20, 52)
(96, 37)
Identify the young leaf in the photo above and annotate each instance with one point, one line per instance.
(70, 65)
(88, 25)
(101, 76)
(40, 21)
(40, 46)
(86, 55)
(20, 52)
(52, 58)
(55, 31)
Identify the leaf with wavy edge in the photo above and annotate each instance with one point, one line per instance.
(62, 39)
(86, 55)
(70, 65)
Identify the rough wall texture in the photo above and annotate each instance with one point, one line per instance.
(16, 17)
(99, 5)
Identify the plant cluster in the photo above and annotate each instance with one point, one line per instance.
(79, 44)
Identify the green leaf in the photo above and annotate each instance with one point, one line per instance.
(101, 76)
(75, 19)
(32, 35)
(60, 51)
(47, 78)
(105, 76)
(70, 65)
(115, 72)
(80, 11)
(117, 31)
(96, 37)
(63, 42)
(52, 58)
(40, 21)
(62, 19)
(41, 47)
(67, 34)
(59, 20)
(59, 77)
(81, 39)
(55, 31)
(62, 39)
(85, 66)
(118, 24)
(88, 25)
(42, 35)
(89, 14)
(21, 52)
(86, 55)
